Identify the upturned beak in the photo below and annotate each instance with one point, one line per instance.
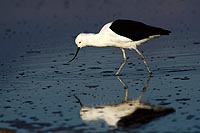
(75, 55)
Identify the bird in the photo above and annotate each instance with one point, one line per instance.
(123, 34)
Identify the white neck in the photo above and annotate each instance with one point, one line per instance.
(92, 39)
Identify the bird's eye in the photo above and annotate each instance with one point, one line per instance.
(79, 42)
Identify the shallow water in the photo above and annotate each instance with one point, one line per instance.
(40, 92)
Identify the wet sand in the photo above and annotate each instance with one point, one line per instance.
(39, 90)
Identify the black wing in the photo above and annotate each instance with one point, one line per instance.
(136, 30)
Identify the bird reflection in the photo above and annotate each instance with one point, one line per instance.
(132, 113)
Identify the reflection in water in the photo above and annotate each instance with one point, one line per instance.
(132, 113)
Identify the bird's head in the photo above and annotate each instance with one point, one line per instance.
(80, 42)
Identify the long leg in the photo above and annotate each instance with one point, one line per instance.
(144, 88)
(143, 58)
(125, 87)
(123, 63)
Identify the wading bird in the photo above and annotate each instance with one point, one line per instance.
(124, 34)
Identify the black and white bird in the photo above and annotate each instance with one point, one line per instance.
(124, 34)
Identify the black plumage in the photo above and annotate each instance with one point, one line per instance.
(136, 30)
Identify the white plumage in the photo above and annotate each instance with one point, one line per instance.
(124, 34)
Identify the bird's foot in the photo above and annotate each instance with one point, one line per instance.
(117, 74)
(150, 74)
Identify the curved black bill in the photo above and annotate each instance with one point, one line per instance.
(75, 55)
